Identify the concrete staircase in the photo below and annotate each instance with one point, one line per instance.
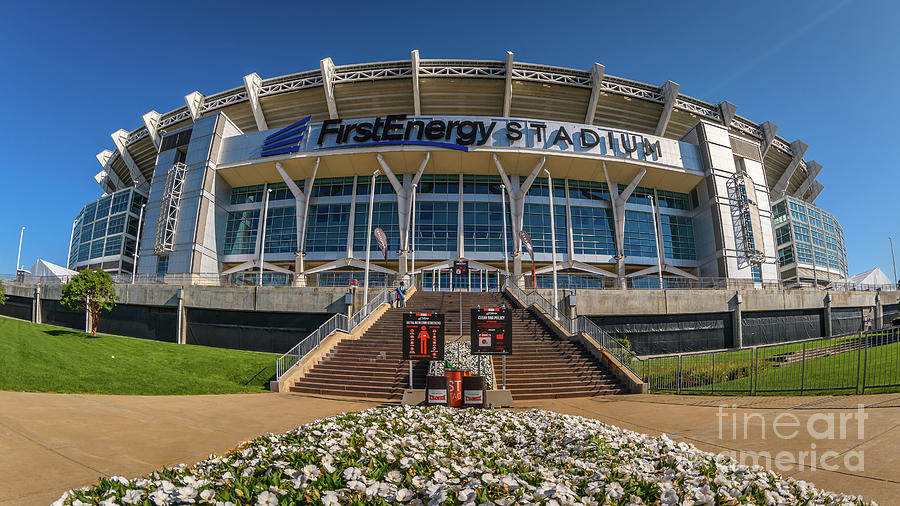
(542, 365)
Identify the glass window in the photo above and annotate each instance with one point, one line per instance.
(756, 272)
(100, 228)
(240, 232)
(113, 245)
(592, 230)
(136, 202)
(537, 224)
(779, 211)
(483, 227)
(128, 250)
(436, 226)
(247, 194)
(116, 224)
(640, 195)
(103, 207)
(818, 238)
(332, 187)
(89, 211)
(132, 225)
(281, 230)
(384, 216)
(84, 251)
(786, 255)
(639, 237)
(280, 191)
(678, 237)
(327, 227)
(821, 256)
(86, 233)
(539, 188)
(804, 253)
(783, 234)
(120, 202)
(801, 233)
(439, 184)
(588, 190)
(673, 200)
(482, 185)
(162, 265)
(97, 249)
(382, 187)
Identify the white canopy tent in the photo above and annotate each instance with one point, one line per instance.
(872, 277)
(45, 272)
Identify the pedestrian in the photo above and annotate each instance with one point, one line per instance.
(401, 295)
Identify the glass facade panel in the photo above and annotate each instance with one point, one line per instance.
(804, 253)
(640, 195)
(327, 227)
(779, 213)
(99, 228)
(136, 202)
(382, 187)
(247, 194)
(120, 202)
(588, 190)
(436, 226)
(801, 233)
(333, 187)
(281, 230)
(280, 191)
(482, 185)
(132, 225)
(593, 230)
(438, 184)
(483, 227)
(89, 211)
(103, 207)
(241, 231)
(639, 237)
(116, 224)
(786, 255)
(673, 200)
(128, 250)
(783, 235)
(84, 251)
(113, 245)
(678, 237)
(86, 233)
(537, 224)
(539, 188)
(97, 249)
(384, 216)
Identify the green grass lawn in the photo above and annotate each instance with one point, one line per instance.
(44, 358)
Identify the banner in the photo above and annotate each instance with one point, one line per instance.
(423, 336)
(381, 239)
(491, 331)
(525, 237)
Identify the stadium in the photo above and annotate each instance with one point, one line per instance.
(462, 154)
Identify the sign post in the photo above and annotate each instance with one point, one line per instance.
(491, 333)
(423, 338)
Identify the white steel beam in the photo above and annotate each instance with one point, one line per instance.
(252, 83)
(102, 180)
(669, 92)
(327, 67)
(816, 190)
(727, 110)
(799, 149)
(118, 138)
(769, 130)
(105, 157)
(507, 90)
(193, 101)
(596, 79)
(417, 104)
(812, 170)
(151, 122)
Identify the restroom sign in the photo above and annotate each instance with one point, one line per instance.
(491, 332)
(423, 336)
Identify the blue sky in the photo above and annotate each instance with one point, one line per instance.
(824, 72)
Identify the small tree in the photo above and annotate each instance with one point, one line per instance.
(2, 293)
(91, 287)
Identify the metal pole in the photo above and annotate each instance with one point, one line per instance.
(504, 372)
(458, 343)
(262, 243)
(137, 243)
(19, 255)
(412, 246)
(71, 238)
(410, 375)
(552, 242)
(658, 243)
(369, 237)
(894, 262)
(505, 252)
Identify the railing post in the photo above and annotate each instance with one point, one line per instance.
(753, 372)
(678, 374)
(803, 368)
(859, 353)
(865, 365)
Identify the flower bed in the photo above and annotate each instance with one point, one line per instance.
(441, 455)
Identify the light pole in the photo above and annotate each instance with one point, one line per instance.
(71, 238)
(505, 251)
(552, 241)
(658, 243)
(369, 236)
(137, 243)
(412, 246)
(19, 254)
(894, 262)
(262, 243)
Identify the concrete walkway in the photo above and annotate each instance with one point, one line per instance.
(52, 442)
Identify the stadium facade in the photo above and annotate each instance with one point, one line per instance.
(450, 145)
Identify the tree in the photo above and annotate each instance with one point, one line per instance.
(2, 293)
(93, 288)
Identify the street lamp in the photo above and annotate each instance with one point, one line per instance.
(412, 246)
(505, 251)
(658, 242)
(369, 236)
(71, 238)
(552, 241)
(19, 255)
(137, 243)
(262, 243)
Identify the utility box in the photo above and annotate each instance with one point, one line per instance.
(572, 300)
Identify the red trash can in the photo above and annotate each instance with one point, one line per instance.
(454, 378)
(436, 391)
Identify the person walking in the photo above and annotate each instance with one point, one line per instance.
(401, 295)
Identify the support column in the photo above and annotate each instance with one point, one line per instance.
(517, 195)
(618, 208)
(301, 209)
(879, 312)
(737, 325)
(299, 268)
(180, 329)
(403, 191)
(827, 315)
(36, 305)
(87, 315)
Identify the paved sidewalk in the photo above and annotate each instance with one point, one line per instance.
(52, 442)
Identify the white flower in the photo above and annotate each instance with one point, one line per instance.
(310, 472)
(330, 498)
(159, 497)
(207, 494)
(393, 476)
(614, 490)
(404, 494)
(352, 473)
(266, 498)
(132, 496)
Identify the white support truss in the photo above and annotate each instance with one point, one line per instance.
(327, 67)
(812, 170)
(174, 117)
(816, 190)
(414, 62)
(194, 101)
(597, 72)
(253, 83)
(105, 159)
(169, 207)
(151, 123)
(769, 130)
(670, 93)
(118, 138)
(507, 90)
(727, 111)
(103, 181)
(799, 149)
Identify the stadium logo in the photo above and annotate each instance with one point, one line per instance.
(287, 140)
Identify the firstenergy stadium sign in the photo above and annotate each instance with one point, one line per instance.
(473, 133)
